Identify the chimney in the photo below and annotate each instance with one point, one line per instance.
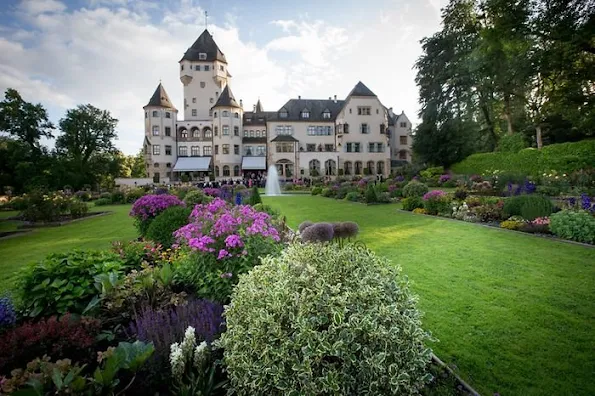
(390, 111)
(241, 104)
(299, 97)
(329, 98)
(254, 108)
(335, 99)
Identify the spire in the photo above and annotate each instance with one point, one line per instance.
(361, 90)
(204, 44)
(258, 108)
(226, 99)
(160, 98)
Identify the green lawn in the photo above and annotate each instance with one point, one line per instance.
(515, 313)
(95, 233)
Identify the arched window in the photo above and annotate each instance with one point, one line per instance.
(314, 166)
(225, 113)
(207, 133)
(216, 131)
(215, 115)
(236, 170)
(358, 167)
(195, 132)
(183, 132)
(236, 115)
(348, 168)
(330, 167)
(285, 168)
(370, 167)
(236, 131)
(251, 133)
(216, 171)
(168, 165)
(380, 168)
(156, 164)
(226, 170)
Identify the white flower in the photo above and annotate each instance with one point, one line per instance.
(176, 360)
(200, 354)
(189, 341)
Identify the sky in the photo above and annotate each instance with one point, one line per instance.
(113, 53)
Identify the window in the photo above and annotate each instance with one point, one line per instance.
(167, 114)
(216, 149)
(361, 110)
(365, 129)
(330, 167)
(380, 168)
(284, 130)
(283, 113)
(329, 147)
(155, 113)
(225, 170)
(403, 124)
(207, 133)
(206, 68)
(156, 177)
(216, 171)
(167, 150)
(183, 151)
(251, 133)
(310, 147)
(376, 111)
(215, 115)
(245, 133)
(216, 131)
(236, 170)
(202, 84)
(260, 150)
(181, 67)
(221, 67)
(326, 114)
(236, 149)
(305, 113)
(193, 100)
(206, 150)
(353, 148)
(236, 115)
(320, 130)
(155, 130)
(314, 167)
(358, 167)
(357, 148)
(403, 154)
(236, 130)
(285, 147)
(345, 128)
(195, 132)
(348, 168)
(202, 56)
(193, 112)
(194, 151)
(183, 133)
(382, 129)
(156, 149)
(197, 67)
(225, 113)
(403, 140)
(211, 100)
(349, 110)
(225, 130)
(380, 147)
(167, 131)
(225, 149)
(371, 147)
(168, 165)
(146, 114)
(248, 151)
(370, 167)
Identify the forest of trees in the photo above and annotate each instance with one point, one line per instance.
(84, 153)
(506, 74)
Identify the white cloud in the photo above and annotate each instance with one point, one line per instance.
(112, 55)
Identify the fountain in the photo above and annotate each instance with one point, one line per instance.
(272, 187)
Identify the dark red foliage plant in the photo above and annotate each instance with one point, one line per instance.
(65, 337)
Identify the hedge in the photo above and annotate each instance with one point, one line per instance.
(563, 158)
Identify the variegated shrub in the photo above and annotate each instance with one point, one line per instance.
(319, 319)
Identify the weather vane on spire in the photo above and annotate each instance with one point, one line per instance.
(206, 23)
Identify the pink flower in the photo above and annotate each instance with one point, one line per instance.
(433, 194)
(222, 254)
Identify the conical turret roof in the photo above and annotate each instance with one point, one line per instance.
(204, 44)
(160, 98)
(226, 99)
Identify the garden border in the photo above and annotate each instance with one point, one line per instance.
(29, 225)
(552, 238)
(464, 384)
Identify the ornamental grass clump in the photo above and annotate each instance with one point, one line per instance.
(318, 232)
(325, 320)
(146, 208)
(223, 241)
(304, 225)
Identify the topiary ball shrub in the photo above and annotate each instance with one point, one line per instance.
(103, 202)
(118, 197)
(412, 203)
(162, 228)
(326, 321)
(196, 197)
(574, 225)
(415, 189)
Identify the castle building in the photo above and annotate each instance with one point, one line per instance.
(304, 138)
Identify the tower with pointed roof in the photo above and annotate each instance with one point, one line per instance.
(160, 135)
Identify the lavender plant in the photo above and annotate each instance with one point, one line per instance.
(8, 316)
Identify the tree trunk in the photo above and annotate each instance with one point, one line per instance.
(538, 137)
(507, 114)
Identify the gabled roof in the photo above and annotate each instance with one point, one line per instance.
(226, 99)
(316, 107)
(160, 98)
(204, 44)
(361, 90)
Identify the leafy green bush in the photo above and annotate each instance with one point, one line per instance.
(562, 158)
(574, 225)
(132, 195)
(353, 196)
(412, 203)
(64, 282)
(511, 143)
(384, 197)
(316, 190)
(327, 192)
(118, 197)
(430, 173)
(254, 197)
(415, 189)
(437, 202)
(352, 339)
(371, 196)
(78, 209)
(166, 223)
(196, 197)
(41, 207)
(103, 202)
(532, 206)
(550, 191)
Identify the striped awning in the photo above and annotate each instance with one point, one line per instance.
(192, 164)
(254, 163)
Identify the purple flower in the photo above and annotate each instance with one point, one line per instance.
(222, 254)
(433, 194)
(399, 179)
(149, 206)
(226, 275)
(444, 178)
(233, 240)
(8, 316)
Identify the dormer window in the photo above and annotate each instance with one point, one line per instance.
(283, 113)
(305, 113)
(202, 56)
(225, 113)
(326, 114)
